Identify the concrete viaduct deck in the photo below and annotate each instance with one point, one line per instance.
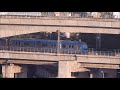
(89, 61)
(11, 26)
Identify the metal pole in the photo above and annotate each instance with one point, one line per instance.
(98, 41)
(6, 68)
(7, 45)
(91, 75)
(103, 76)
(58, 42)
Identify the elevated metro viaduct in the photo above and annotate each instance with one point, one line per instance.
(16, 62)
(11, 26)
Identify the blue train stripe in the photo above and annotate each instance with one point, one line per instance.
(48, 41)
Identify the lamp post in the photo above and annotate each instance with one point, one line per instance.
(58, 42)
(7, 43)
(98, 41)
(6, 64)
(103, 75)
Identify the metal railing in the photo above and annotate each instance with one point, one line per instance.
(90, 51)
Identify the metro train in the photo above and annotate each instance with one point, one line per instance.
(65, 46)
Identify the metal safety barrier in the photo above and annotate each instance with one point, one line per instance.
(90, 51)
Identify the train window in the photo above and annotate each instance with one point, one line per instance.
(85, 46)
(44, 45)
(69, 46)
(72, 46)
(54, 45)
(39, 44)
(63, 46)
(19, 43)
(26, 43)
(15, 43)
(49, 45)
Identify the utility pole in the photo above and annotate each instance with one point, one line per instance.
(103, 75)
(6, 68)
(98, 41)
(6, 64)
(58, 42)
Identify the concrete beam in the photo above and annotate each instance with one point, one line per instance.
(2, 61)
(30, 62)
(61, 21)
(89, 65)
(17, 26)
(76, 67)
(95, 59)
(12, 30)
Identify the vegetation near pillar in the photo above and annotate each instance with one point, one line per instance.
(1, 76)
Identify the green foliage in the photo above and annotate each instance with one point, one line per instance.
(1, 76)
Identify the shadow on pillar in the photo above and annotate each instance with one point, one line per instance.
(31, 71)
(80, 74)
(23, 73)
(105, 73)
(0, 69)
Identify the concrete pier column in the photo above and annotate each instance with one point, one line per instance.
(8, 71)
(64, 69)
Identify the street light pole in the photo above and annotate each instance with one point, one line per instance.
(6, 64)
(58, 42)
(103, 76)
(98, 41)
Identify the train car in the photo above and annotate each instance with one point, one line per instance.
(2, 42)
(65, 46)
(51, 45)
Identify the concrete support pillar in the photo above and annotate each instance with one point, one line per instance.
(8, 71)
(64, 69)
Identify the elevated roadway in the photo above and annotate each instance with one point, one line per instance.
(11, 25)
